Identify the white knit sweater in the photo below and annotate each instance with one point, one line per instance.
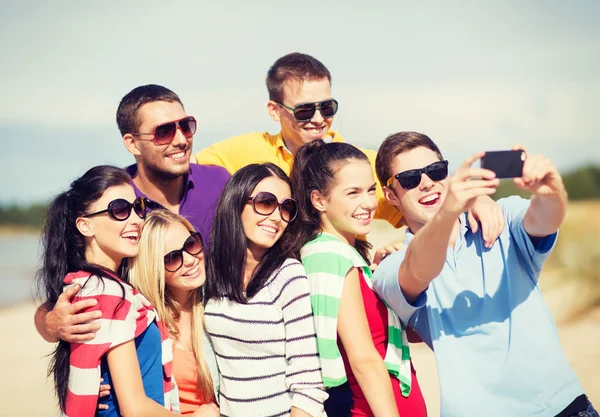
(266, 350)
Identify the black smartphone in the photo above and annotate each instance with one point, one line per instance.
(506, 164)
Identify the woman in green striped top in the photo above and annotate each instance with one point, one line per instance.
(363, 348)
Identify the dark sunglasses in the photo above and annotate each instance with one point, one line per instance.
(412, 178)
(192, 245)
(305, 111)
(120, 209)
(265, 203)
(164, 134)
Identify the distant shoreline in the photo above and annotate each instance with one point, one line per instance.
(18, 230)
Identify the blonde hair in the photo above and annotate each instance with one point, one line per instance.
(147, 274)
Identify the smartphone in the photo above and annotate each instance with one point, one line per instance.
(506, 164)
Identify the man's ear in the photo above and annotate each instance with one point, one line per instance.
(131, 144)
(318, 201)
(84, 227)
(273, 109)
(390, 196)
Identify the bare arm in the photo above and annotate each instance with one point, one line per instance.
(65, 320)
(127, 383)
(296, 412)
(426, 253)
(548, 205)
(367, 365)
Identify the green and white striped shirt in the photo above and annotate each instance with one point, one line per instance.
(327, 260)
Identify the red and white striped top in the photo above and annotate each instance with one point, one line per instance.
(124, 317)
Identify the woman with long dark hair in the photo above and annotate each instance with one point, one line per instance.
(258, 311)
(89, 231)
(362, 344)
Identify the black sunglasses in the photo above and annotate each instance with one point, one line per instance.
(265, 203)
(192, 245)
(305, 111)
(412, 178)
(120, 209)
(164, 134)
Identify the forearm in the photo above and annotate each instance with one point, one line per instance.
(143, 406)
(296, 412)
(374, 380)
(40, 323)
(545, 214)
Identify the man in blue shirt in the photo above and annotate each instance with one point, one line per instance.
(480, 309)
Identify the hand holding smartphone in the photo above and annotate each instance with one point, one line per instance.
(505, 164)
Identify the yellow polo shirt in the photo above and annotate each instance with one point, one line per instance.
(250, 148)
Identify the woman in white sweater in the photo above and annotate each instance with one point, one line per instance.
(258, 311)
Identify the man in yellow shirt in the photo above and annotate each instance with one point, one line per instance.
(300, 101)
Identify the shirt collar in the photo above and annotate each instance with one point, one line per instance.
(464, 228)
(332, 136)
(188, 182)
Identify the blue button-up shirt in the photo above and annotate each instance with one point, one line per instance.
(495, 341)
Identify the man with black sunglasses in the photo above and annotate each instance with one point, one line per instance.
(159, 133)
(300, 100)
(480, 309)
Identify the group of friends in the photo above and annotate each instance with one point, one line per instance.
(244, 284)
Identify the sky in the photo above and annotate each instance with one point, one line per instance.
(472, 75)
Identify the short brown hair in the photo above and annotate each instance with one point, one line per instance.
(294, 66)
(127, 113)
(396, 144)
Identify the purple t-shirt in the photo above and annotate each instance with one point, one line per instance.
(203, 186)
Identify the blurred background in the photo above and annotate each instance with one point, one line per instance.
(471, 75)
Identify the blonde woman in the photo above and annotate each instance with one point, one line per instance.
(169, 271)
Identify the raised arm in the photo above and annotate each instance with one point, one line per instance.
(548, 205)
(426, 253)
(366, 363)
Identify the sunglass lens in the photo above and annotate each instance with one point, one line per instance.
(305, 112)
(139, 206)
(193, 244)
(265, 203)
(173, 260)
(120, 209)
(289, 209)
(188, 127)
(328, 108)
(437, 171)
(164, 133)
(409, 180)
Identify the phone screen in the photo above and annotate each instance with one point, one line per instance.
(506, 164)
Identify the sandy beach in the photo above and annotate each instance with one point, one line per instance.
(28, 393)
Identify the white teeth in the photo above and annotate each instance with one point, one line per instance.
(268, 228)
(363, 216)
(430, 198)
(314, 129)
(130, 235)
(193, 271)
(177, 155)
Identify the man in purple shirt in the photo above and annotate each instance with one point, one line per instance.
(159, 133)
